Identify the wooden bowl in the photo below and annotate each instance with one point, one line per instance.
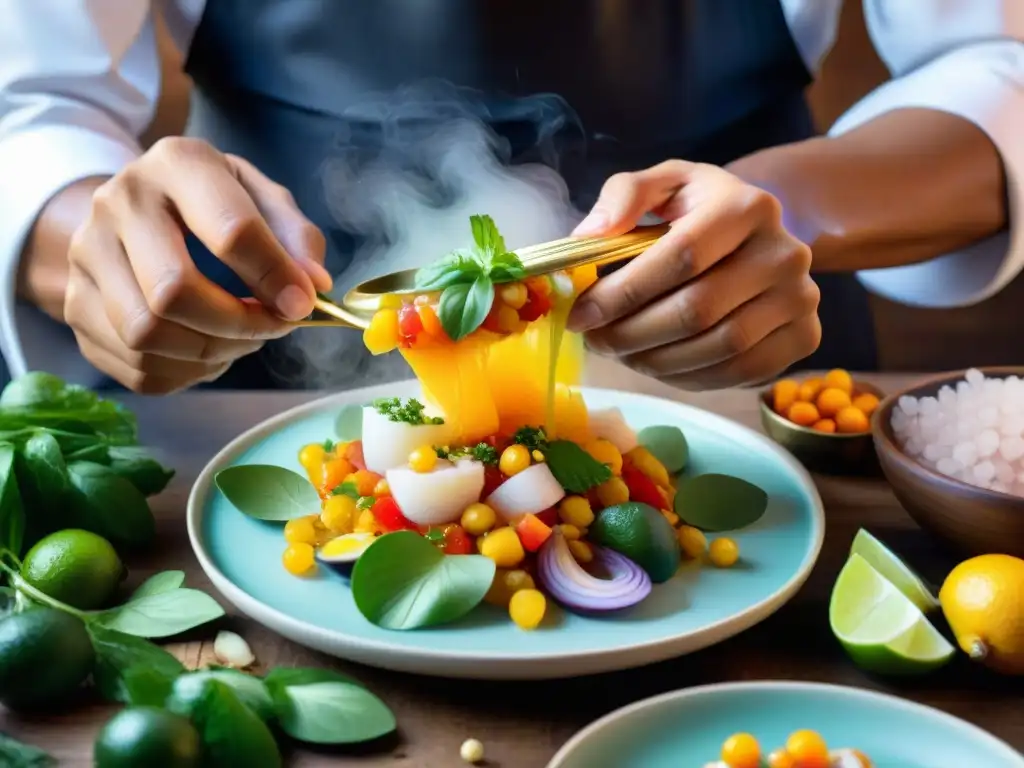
(833, 454)
(972, 520)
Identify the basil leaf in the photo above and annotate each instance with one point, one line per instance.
(463, 308)
(574, 469)
(714, 502)
(109, 505)
(232, 734)
(44, 400)
(44, 485)
(117, 652)
(506, 268)
(349, 424)
(134, 464)
(158, 584)
(14, 754)
(146, 686)
(329, 712)
(12, 515)
(402, 581)
(486, 235)
(268, 492)
(250, 690)
(162, 614)
(98, 453)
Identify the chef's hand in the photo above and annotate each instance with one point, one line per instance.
(141, 310)
(724, 299)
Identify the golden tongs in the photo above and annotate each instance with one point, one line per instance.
(359, 304)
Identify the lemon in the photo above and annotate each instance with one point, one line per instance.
(983, 600)
(76, 567)
(894, 570)
(880, 628)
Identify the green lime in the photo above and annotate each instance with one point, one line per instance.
(45, 654)
(880, 628)
(147, 737)
(641, 533)
(895, 570)
(75, 567)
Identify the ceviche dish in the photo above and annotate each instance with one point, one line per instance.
(498, 485)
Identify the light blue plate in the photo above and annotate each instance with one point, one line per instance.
(699, 607)
(687, 728)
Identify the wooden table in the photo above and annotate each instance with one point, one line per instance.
(523, 724)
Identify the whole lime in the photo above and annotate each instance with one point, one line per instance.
(147, 737)
(75, 567)
(641, 533)
(45, 655)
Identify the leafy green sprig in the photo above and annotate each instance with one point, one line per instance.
(482, 452)
(466, 278)
(410, 411)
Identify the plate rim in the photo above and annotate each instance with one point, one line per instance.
(588, 731)
(457, 662)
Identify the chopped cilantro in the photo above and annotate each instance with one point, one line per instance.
(408, 412)
(346, 489)
(532, 437)
(575, 469)
(482, 452)
(365, 502)
(328, 445)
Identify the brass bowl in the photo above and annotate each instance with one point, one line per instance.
(970, 519)
(822, 452)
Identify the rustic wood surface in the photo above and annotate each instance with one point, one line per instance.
(523, 724)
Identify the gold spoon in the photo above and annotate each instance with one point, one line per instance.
(359, 304)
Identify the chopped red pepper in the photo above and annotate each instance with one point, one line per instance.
(549, 516)
(456, 540)
(641, 487)
(389, 516)
(532, 532)
(409, 322)
(537, 305)
(492, 479)
(354, 454)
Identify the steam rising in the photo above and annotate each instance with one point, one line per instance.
(410, 170)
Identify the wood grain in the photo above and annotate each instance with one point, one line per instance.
(523, 724)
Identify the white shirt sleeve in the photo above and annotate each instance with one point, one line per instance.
(78, 85)
(964, 57)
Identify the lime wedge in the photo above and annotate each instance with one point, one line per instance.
(880, 628)
(895, 570)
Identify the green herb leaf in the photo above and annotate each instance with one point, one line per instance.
(349, 424)
(134, 464)
(506, 268)
(464, 308)
(365, 502)
(268, 492)
(146, 686)
(668, 445)
(486, 235)
(44, 485)
(250, 690)
(716, 502)
(402, 581)
(43, 400)
(410, 411)
(162, 614)
(532, 437)
(14, 754)
(319, 707)
(348, 488)
(109, 505)
(575, 469)
(232, 734)
(12, 515)
(159, 583)
(456, 267)
(117, 652)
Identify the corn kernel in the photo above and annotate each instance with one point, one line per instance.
(366, 523)
(672, 517)
(422, 459)
(646, 462)
(339, 514)
(576, 511)
(527, 608)
(581, 551)
(513, 294)
(570, 532)
(502, 545)
(514, 460)
(606, 453)
(298, 559)
(537, 456)
(478, 519)
(723, 553)
(612, 492)
(311, 457)
(300, 531)
(692, 541)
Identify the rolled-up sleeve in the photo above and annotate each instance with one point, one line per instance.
(963, 57)
(78, 85)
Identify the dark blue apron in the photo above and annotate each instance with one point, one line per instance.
(284, 83)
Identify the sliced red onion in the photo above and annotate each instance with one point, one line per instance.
(573, 587)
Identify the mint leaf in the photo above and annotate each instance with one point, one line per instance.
(14, 754)
(464, 308)
(575, 469)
